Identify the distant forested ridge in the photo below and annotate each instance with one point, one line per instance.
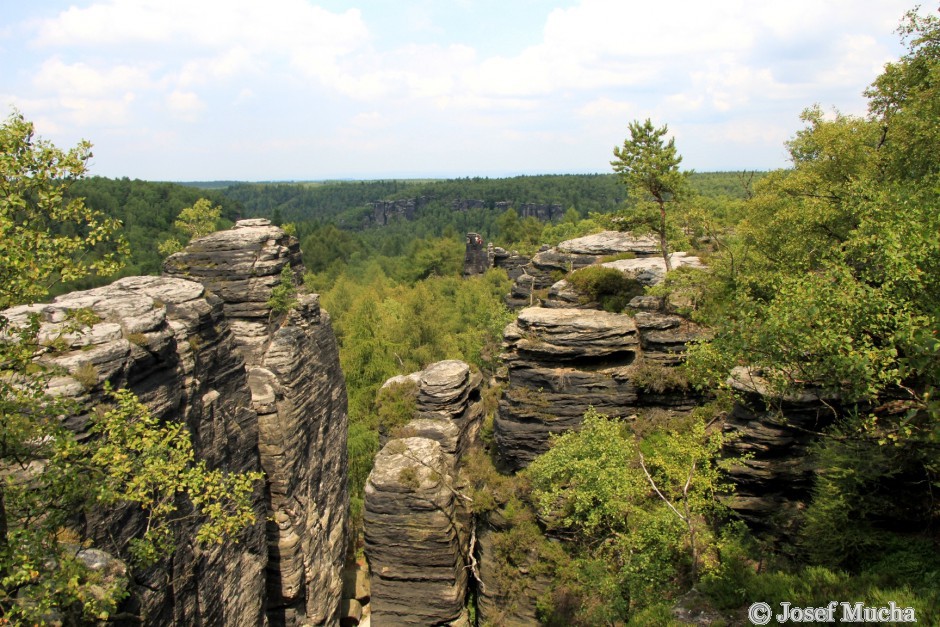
(349, 204)
(333, 218)
(147, 211)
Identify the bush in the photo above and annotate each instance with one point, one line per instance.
(611, 288)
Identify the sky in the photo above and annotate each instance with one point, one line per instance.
(199, 90)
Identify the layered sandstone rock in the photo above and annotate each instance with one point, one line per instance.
(543, 270)
(166, 339)
(417, 527)
(257, 389)
(560, 362)
(416, 533)
(771, 436)
(298, 392)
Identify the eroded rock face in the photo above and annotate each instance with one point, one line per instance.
(610, 243)
(241, 266)
(560, 362)
(651, 271)
(417, 529)
(416, 533)
(773, 484)
(257, 389)
(166, 340)
(298, 392)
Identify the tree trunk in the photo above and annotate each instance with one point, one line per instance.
(663, 245)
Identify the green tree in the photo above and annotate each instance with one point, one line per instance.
(642, 506)
(198, 220)
(837, 286)
(46, 237)
(49, 478)
(649, 167)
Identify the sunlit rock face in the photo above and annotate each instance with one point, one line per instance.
(561, 362)
(298, 391)
(257, 389)
(167, 340)
(417, 526)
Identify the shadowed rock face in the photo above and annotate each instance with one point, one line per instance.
(256, 390)
(298, 392)
(560, 362)
(417, 530)
(773, 484)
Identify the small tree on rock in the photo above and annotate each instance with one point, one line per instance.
(649, 167)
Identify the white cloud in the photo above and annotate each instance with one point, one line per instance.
(82, 79)
(423, 88)
(185, 104)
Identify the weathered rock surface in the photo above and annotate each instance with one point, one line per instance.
(773, 484)
(416, 534)
(414, 549)
(475, 260)
(257, 390)
(166, 339)
(241, 266)
(542, 271)
(560, 362)
(651, 271)
(610, 243)
(299, 394)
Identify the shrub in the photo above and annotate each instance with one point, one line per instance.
(611, 288)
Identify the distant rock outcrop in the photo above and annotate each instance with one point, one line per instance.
(475, 259)
(386, 211)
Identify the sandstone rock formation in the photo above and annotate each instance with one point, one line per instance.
(417, 527)
(772, 434)
(541, 211)
(560, 362)
(475, 259)
(257, 390)
(385, 211)
(543, 270)
(299, 393)
(166, 339)
(416, 533)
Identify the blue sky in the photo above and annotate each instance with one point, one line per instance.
(307, 90)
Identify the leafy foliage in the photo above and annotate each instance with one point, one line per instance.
(638, 510)
(649, 167)
(46, 236)
(609, 287)
(50, 480)
(196, 221)
(283, 295)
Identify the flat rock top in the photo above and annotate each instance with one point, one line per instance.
(243, 236)
(447, 374)
(586, 319)
(168, 289)
(423, 456)
(654, 263)
(610, 243)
